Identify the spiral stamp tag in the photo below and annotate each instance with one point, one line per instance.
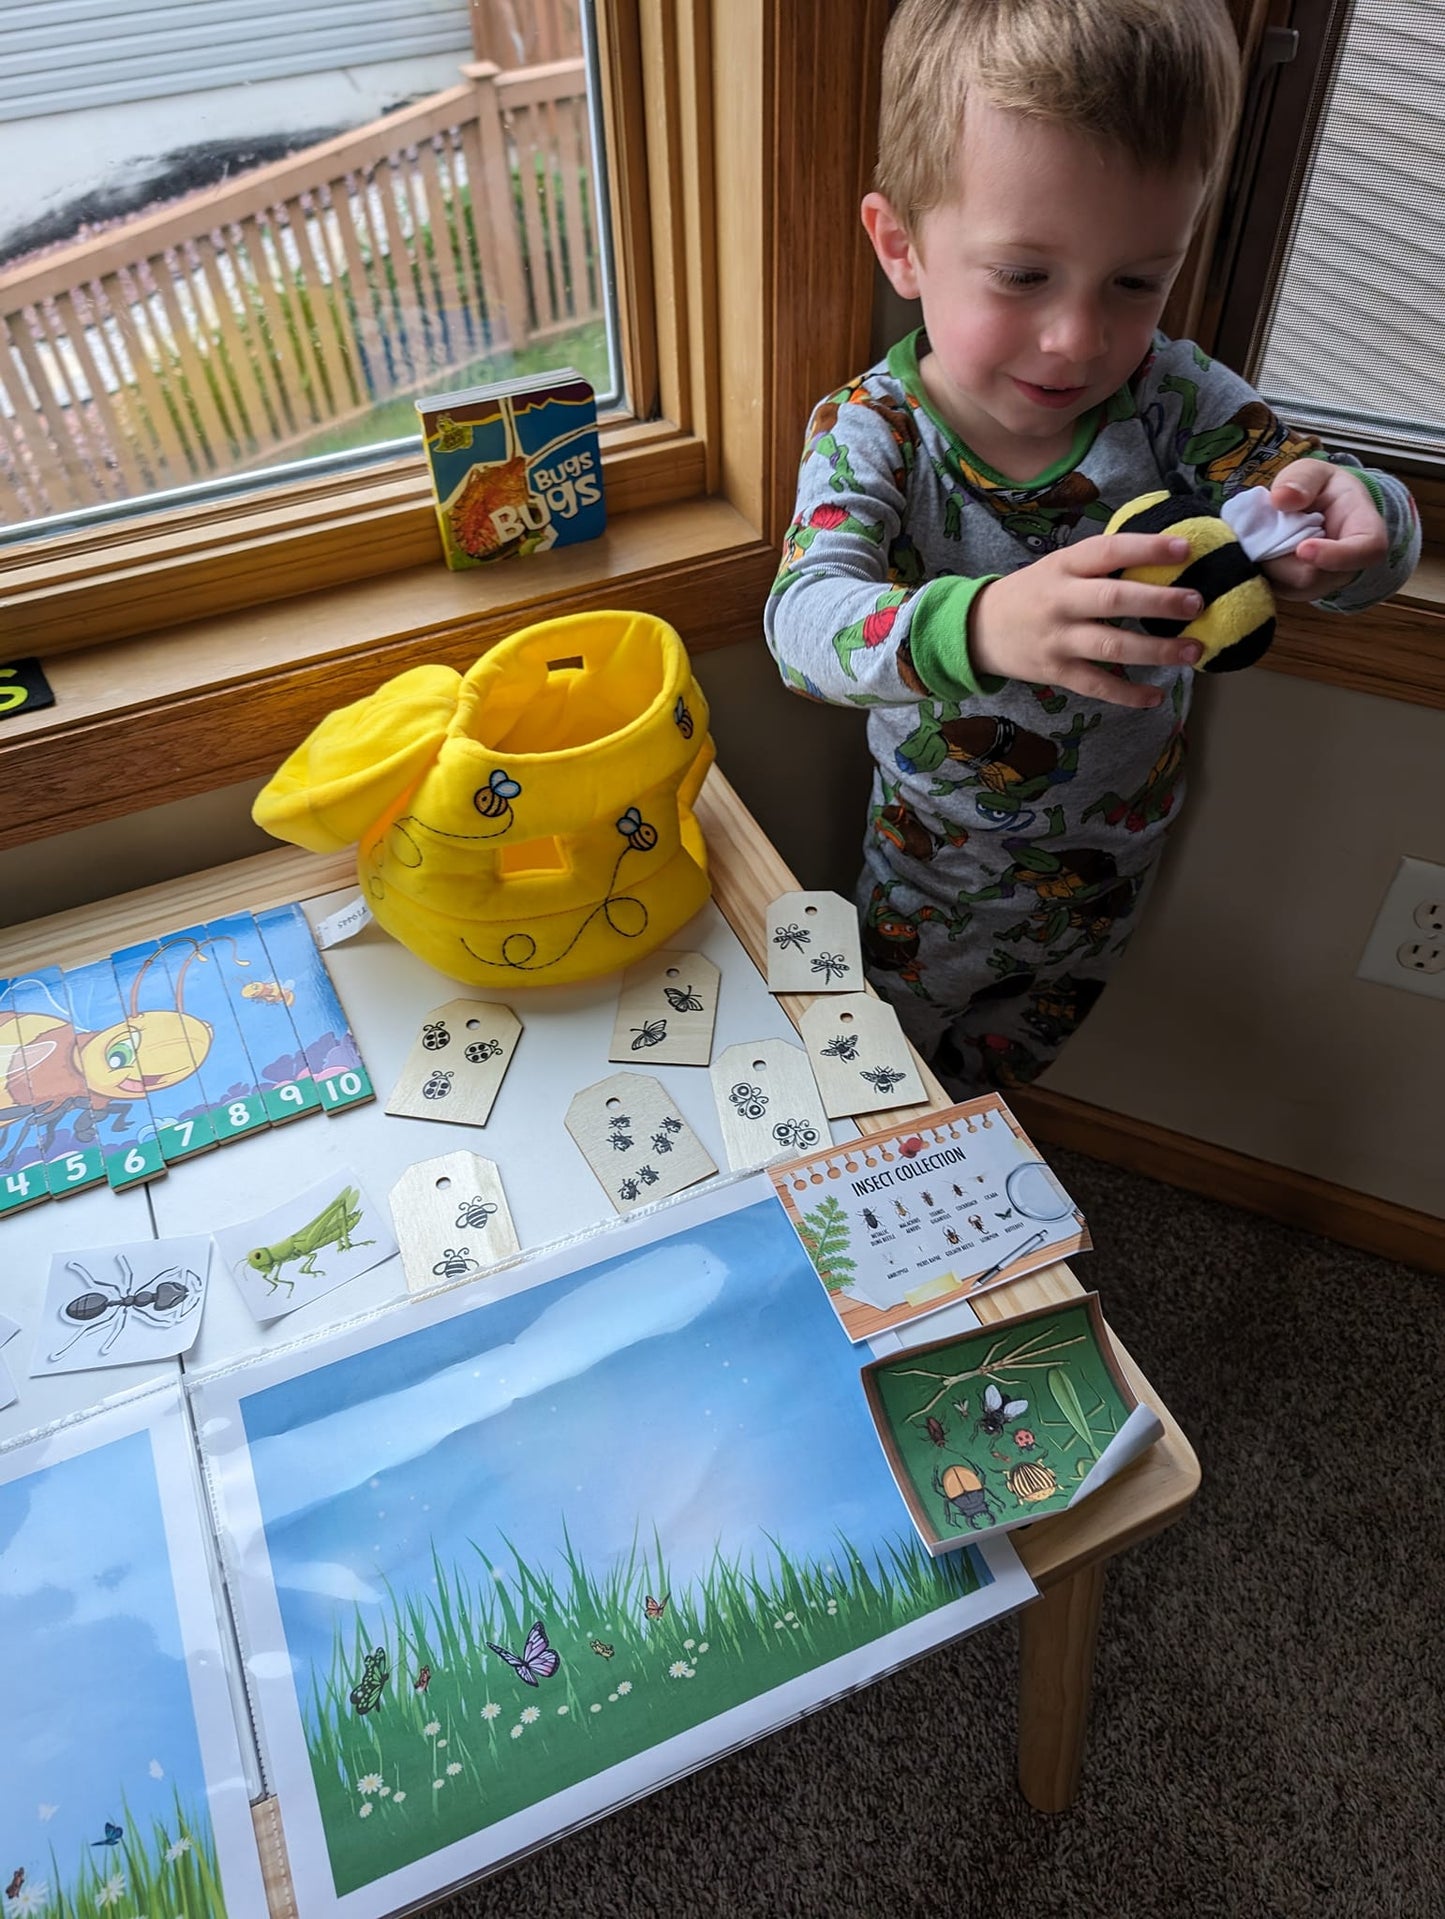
(813, 944)
(860, 1058)
(635, 1140)
(457, 1062)
(665, 1011)
(452, 1220)
(767, 1101)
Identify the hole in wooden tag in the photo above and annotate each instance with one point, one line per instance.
(760, 1065)
(531, 857)
(846, 1019)
(810, 909)
(443, 1183)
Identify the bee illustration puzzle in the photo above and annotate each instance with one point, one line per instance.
(990, 1430)
(515, 466)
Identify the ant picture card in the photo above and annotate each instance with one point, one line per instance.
(327, 1041)
(1001, 1426)
(121, 1305)
(813, 944)
(120, 1054)
(457, 1062)
(666, 1007)
(262, 1006)
(901, 1223)
(123, 1787)
(577, 1540)
(312, 1244)
(636, 1141)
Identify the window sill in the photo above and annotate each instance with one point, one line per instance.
(216, 701)
(1396, 650)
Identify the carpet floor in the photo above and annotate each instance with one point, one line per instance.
(1268, 1733)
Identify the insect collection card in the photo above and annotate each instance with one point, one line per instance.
(307, 1247)
(121, 1305)
(999, 1427)
(898, 1224)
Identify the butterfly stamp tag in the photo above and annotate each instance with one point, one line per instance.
(313, 1243)
(768, 1103)
(452, 1220)
(635, 1140)
(813, 944)
(118, 1305)
(457, 1062)
(665, 1011)
(861, 1059)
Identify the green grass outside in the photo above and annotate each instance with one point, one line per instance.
(172, 1874)
(434, 1765)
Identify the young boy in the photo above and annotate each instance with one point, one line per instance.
(1043, 165)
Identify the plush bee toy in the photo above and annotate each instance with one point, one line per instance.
(1226, 550)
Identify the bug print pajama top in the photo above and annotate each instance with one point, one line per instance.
(1011, 826)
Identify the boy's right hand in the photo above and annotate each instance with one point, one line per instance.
(1047, 623)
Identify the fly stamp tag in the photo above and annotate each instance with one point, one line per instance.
(767, 1100)
(860, 1057)
(665, 1011)
(452, 1221)
(635, 1140)
(457, 1062)
(813, 944)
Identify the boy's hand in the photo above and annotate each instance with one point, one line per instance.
(1047, 622)
(1354, 535)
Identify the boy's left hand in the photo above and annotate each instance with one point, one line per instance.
(1354, 535)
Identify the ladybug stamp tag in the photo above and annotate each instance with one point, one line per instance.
(457, 1062)
(768, 1103)
(813, 944)
(665, 1011)
(860, 1057)
(452, 1220)
(635, 1140)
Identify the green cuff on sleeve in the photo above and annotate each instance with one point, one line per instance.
(938, 638)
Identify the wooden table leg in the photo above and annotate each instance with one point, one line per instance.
(1056, 1676)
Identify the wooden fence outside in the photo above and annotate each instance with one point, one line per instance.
(230, 330)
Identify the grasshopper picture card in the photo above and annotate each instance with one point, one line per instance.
(308, 1246)
(122, 1784)
(121, 1305)
(502, 1565)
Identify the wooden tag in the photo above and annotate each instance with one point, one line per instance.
(767, 1100)
(860, 1057)
(635, 1140)
(452, 1220)
(813, 944)
(665, 1011)
(457, 1062)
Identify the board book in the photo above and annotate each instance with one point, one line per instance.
(900, 1223)
(515, 466)
(993, 1429)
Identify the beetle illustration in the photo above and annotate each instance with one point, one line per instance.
(963, 1492)
(438, 1086)
(435, 1036)
(482, 1049)
(332, 1226)
(870, 1219)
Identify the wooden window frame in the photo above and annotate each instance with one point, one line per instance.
(191, 650)
(1222, 299)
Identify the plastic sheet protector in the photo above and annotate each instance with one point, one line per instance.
(501, 1566)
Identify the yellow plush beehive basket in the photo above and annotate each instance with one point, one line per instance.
(529, 822)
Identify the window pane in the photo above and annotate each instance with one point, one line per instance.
(1356, 343)
(204, 288)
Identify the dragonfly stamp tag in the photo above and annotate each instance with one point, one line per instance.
(665, 1011)
(452, 1220)
(860, 1057)
(635, 1140)
(813, 944)
(768, 1103)
(457, 1062)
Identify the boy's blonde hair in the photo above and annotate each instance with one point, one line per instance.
(1158, 79)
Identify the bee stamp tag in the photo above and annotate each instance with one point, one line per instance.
(860, 1057)
(635, 1140)
(813, 944)
(665, 1011)
(457, 1062)
(767, 1100)
(452, 1220)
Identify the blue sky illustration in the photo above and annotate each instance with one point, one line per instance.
(701, 1385)
(97, 1702)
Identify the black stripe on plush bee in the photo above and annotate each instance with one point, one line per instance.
(1237, 623)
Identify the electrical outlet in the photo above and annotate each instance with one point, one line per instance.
(1406, 947)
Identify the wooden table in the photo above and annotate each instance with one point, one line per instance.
(1066, 1554)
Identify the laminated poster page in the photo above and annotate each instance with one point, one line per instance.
(122, 1789)
(503, 1565)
